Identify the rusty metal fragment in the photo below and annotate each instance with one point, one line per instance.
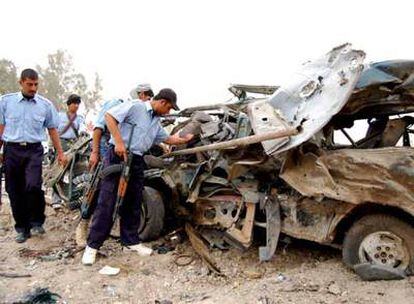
(201, 249)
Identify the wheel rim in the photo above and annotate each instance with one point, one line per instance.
(384, 248)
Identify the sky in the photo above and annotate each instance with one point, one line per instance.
(199, 48)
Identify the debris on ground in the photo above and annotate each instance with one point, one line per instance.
(280, 278)
(110, 290)
(374, 272)
(109, 270)
(170, 242)
(14, 275)
(202, 250)
(163, 302)
(253, 273)
(39, 296)
(51, 254)
(184, 259)
(334, 289)
(301, 286)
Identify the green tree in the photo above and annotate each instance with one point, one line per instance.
(8, 77)
(59, 79)
(94, 95)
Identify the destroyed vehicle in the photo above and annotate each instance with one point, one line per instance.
(70, 181)
(296, 159)
(323, 182)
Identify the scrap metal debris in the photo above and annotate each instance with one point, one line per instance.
(39, 296)
(201, 249)
(374, 272)
(183, 260)
(49, 254)
(14, 275)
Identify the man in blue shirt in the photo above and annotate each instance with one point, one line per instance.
(71, 125)
(23, 118)
(145, 118)
(100, 144)
(101, 135)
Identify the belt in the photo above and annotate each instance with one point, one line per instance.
(23, 144)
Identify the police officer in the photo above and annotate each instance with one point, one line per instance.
(71, 125)
(148, 131)
(100, 143)
(142, 91)
(23, 118)
(101, 135)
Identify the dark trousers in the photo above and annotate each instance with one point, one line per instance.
(130, 210)
(23, 174)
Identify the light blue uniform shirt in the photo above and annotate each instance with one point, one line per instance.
(100, 120)
(101, 124)
(78, 124)
(148, 129)
(26, 120)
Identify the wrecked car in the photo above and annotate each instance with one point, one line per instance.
(327, 157)
(313, 180)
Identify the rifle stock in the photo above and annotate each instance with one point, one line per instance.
(91, 191)
(123, 181)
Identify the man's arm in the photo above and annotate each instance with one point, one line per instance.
(54, 136)
(96, 142)
(112, 125)
(177, 140)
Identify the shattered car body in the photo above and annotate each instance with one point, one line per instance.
(286, 162)
(70, 180)
(304, 185)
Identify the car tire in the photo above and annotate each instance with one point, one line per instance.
(152, 215)
(380, 239)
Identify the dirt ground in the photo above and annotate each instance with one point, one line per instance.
(300, 272)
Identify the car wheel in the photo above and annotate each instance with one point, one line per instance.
(152, 215)
(382, 240)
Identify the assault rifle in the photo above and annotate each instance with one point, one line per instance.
(89, 196)
(123, 181)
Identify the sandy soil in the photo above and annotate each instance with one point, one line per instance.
(301, 272)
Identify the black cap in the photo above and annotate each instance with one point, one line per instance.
(168, 95)
(73, 98)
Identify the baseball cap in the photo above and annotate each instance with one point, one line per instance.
(142, 87)
(169, 95)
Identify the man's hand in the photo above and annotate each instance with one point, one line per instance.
(176, 139)
(62, 160)
(93, 160)
(121, 151)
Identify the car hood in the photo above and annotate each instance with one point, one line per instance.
(308, 101)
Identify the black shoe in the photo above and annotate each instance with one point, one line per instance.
(37, 230)
(22, 237)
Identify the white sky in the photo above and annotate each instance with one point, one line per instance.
(199, 47)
